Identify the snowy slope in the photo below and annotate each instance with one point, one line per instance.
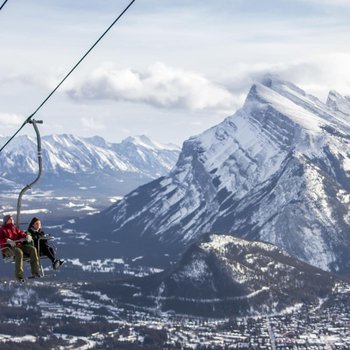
(223, 276)
(80, 175)
(339, 103)
(277, 170)
(154, 158)
(73, 155)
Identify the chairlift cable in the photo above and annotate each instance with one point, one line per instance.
(69, 73)
(3, 4)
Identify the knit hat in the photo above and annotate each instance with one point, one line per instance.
(6, 217)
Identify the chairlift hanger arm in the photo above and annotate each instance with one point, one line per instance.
(40, 163)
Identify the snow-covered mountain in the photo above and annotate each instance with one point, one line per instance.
(75, 155)
(224, 276)
(338, 102)
(80, 175)
(276, 171)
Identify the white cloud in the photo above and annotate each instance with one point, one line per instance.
(29, 79)
(10, 120)
(229, 44)
(317, 75)
(160, 86)
(92, 123)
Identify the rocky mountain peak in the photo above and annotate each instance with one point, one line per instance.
(278, 170)
(338, 103)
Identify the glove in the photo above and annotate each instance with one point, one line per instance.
(10, 242)
(29, 239)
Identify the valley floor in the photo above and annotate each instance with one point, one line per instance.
(63, 315)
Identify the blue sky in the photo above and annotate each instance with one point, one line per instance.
(169, 69)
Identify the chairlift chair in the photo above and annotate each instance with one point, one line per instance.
(8, 256)
(7, 253)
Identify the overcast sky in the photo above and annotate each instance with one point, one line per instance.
(169, 69)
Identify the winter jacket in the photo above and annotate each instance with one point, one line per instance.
(10, 231)
(35, 235)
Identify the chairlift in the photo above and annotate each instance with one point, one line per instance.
(7, 254)
(35, 122)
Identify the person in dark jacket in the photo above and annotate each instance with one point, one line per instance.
(41, 242)
(12, 241)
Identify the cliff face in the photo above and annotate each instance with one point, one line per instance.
(275, 171)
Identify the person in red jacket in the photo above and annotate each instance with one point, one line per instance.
(10, 237)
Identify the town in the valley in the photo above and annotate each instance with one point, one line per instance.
(41, 315)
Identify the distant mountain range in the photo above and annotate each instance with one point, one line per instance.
(75, 155)
(224, 276)
(78, 167)
(278, 170)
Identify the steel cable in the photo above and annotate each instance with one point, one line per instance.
(69, 73)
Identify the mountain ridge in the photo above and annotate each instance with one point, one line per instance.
(278, 170)
(80, 175)
(225, 276)
(74, 154)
